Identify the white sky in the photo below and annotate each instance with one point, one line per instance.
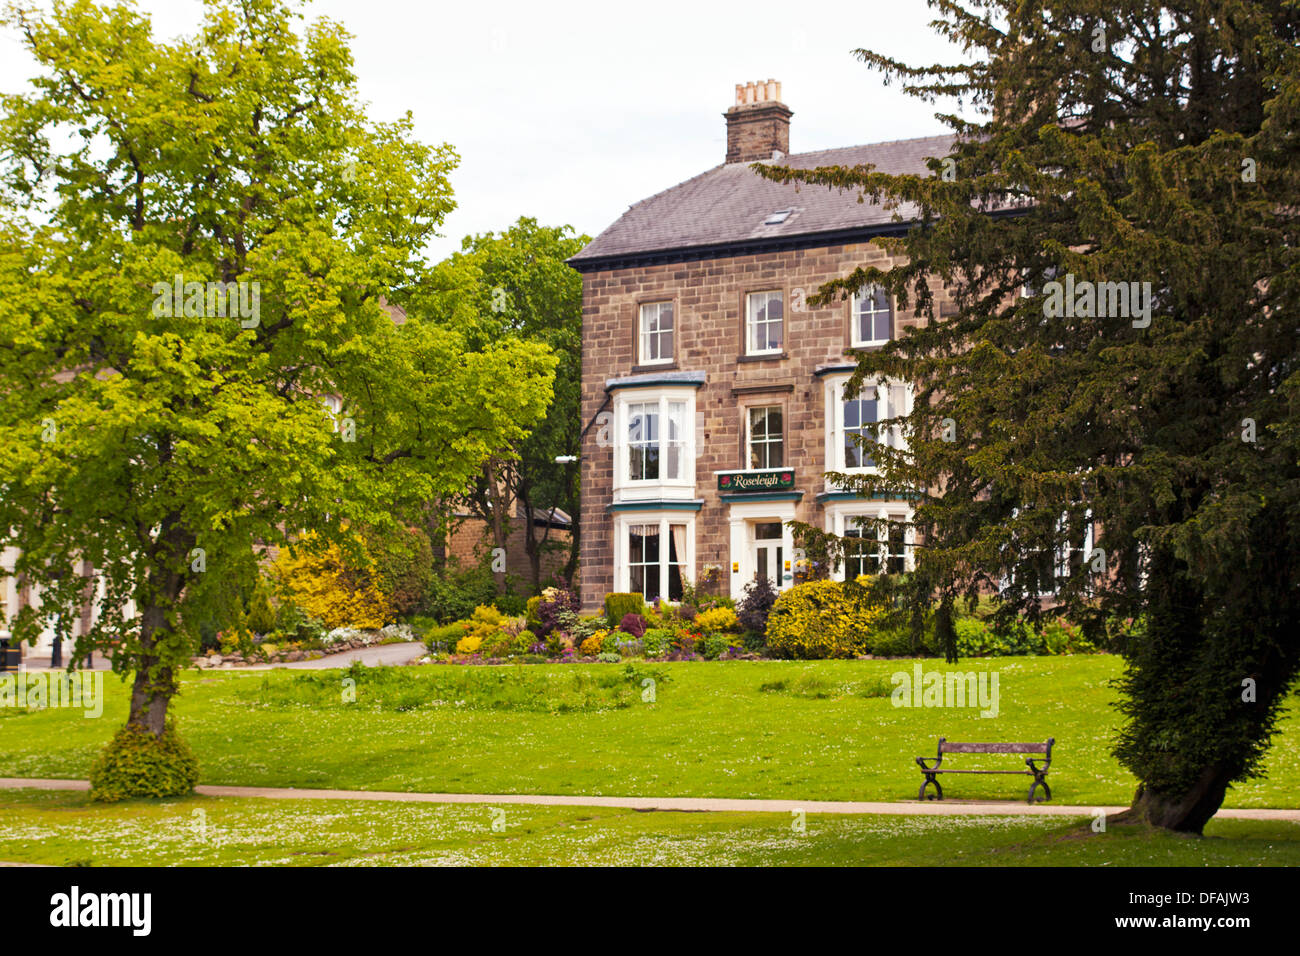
(572, 112)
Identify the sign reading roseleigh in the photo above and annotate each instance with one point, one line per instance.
(742, 482)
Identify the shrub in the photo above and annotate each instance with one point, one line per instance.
(897, 642)
(531, 620)
(497, 644)
(710, 646)
(655, 641)
(261, 616)
(403, 566)
(1062, 637)
(329, 586)
(609, 658)
(457, 589)
(523, 643)
(756, 605)
(594, 644)
(633, 624)
(469, 644)
(614, 640)
(294, 625)
(718, 620)
(486, 618)
(555, 604)
(511, 605)
(444, 638)
(619, 604)
(818, 619)
(137, 764)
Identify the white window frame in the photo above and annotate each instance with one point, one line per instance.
(841, 518)
(651, 332)
(767, 442)
(751, 321)
(856, 313)
(624, 521)
(683, 486)
(889, 435)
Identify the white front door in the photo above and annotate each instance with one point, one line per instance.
(769, 553)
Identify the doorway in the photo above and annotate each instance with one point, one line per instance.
(769, 553)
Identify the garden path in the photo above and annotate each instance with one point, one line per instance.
(678, 804)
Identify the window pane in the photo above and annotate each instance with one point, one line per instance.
(651, 532)
(676, 442)
(881, 329)
(676, 533)
(768, 531)
(775, 455)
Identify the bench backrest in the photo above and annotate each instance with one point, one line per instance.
(951, 748)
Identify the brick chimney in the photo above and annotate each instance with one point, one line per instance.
(759, 124)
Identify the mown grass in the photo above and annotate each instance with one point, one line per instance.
(63, 828)
(805, 730)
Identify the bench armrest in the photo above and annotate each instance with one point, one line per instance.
(937, 760)
(1043, 769)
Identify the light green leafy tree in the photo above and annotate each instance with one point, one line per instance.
(167, 442)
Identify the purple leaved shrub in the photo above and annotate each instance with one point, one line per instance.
(633, 624)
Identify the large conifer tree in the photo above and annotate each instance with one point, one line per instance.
(1115, 142)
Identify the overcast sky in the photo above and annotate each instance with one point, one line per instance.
(572, 112)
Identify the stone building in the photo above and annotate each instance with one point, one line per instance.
(713, 393)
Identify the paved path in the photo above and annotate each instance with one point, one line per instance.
(370, 656)
(688, 804)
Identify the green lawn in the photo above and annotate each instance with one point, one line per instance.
(821, 730)
(66, 829)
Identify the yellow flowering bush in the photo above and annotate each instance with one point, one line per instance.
(469, 644)
(320, 582)
(717, 620)
(593, 645)
(820, 619)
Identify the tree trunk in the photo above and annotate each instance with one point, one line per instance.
(154, 684)
(499, 521)
(1186, 812)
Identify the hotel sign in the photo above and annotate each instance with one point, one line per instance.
(753, 482)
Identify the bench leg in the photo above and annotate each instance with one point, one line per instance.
(1040, 781)
(930, 779)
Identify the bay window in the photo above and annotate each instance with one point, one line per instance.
(653, 554)
(877, 539)
(855, 423)
(654, 432)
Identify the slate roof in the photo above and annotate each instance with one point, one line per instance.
(726, 207)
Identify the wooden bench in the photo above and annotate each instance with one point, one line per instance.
(1038, 773)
